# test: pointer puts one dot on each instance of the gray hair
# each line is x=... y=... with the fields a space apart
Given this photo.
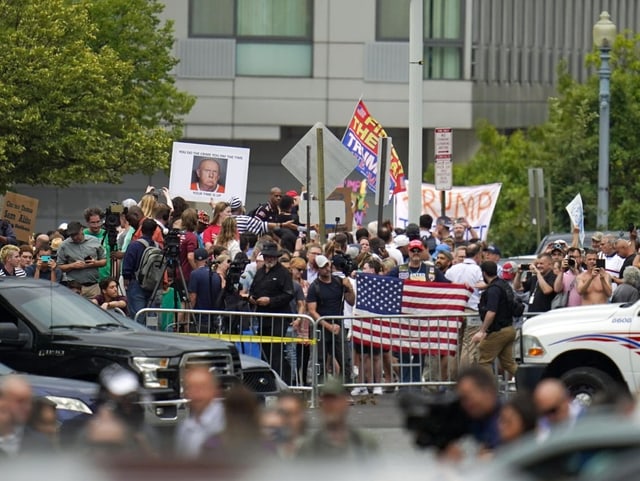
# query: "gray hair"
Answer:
x=631 y=275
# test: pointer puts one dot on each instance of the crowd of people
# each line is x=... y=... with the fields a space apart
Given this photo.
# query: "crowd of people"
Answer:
x=265 y=262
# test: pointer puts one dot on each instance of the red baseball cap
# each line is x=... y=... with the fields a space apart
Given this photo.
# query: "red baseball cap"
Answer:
x=416 y=244
x=292 y=193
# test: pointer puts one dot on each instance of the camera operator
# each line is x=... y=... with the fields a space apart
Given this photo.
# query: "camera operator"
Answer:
x=205 y=289
x=566 y=283
x=479 y=400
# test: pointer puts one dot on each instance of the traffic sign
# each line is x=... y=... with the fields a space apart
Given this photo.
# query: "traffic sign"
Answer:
x=443 y=142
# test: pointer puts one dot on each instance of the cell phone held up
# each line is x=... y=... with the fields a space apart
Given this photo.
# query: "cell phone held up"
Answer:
x=525 y=267
x=600 y=264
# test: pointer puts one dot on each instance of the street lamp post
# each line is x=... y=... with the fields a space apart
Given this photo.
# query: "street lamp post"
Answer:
x=604 y=33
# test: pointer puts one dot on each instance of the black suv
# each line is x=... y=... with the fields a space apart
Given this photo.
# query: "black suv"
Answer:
x=47 y=329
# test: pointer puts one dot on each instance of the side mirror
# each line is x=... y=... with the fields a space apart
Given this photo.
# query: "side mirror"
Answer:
x=9 y=335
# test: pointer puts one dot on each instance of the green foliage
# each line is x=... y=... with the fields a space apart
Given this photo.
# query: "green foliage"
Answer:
x=85 y=91
x=566 y=147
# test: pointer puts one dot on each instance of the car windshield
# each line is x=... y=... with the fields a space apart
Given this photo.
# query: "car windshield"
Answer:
x=56 y=307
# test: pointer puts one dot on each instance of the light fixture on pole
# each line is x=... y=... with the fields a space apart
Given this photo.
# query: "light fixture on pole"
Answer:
x=604 y=34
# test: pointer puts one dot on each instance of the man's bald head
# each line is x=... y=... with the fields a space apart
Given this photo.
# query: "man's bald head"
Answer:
x=17 y=393
x=552 y=400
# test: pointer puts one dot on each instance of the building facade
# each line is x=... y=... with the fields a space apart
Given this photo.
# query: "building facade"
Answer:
x=264 y=71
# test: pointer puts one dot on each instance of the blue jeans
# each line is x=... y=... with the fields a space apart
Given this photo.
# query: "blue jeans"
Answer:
x=137 y=299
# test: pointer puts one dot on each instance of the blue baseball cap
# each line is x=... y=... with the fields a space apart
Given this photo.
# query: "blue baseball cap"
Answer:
x=442 y=248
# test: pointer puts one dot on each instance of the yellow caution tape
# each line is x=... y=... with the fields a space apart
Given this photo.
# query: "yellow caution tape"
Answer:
x=252 y=338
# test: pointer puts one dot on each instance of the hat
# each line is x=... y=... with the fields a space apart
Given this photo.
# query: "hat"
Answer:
x=508 y=271
x=270 y=250
x=201 y=254
x=292 y=193
x=442 y=248
x=55 y=243
x=492 y=249
x=338 y=260
x=74 y=228
x=63 y=226
x=203 y=217
x=321 y=261
x=416 y=244
x=444 y=221
x=129 y=203
x=235 y=203
x=401 y=240
x=597 y=236
x=332 y=387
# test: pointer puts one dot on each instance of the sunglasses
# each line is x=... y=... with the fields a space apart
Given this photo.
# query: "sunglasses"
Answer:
x=416 y=250
x=552 y=411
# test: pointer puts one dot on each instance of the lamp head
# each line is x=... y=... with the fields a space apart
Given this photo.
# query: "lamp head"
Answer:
x=604 y=31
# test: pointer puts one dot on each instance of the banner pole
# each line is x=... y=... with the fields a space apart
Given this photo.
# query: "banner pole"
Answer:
x=308 y=149
x=321 y=192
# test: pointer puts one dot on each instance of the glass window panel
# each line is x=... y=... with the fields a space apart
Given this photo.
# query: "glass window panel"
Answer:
x=442 y=63
x=274 y=18
x=442 y=19
x=273 y=59
x=212 y=18
x=393 y=20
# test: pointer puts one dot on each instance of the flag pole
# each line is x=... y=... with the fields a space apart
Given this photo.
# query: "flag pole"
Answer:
x=416 y=55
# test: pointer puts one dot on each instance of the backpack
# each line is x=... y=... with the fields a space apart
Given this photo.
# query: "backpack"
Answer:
x=150 y=270
x=516 y=306
x=429 y=243
x=252 y=213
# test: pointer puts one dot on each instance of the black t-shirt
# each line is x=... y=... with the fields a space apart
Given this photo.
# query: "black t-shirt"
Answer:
x=329 y=297
x=628 y=261
x=538 y=301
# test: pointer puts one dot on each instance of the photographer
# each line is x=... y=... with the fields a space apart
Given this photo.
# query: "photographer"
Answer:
x=566 y=283
x=45 y=266
x=594 y=285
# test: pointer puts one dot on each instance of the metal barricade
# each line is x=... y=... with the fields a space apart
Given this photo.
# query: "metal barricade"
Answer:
x=268 y=336
x=397 y=351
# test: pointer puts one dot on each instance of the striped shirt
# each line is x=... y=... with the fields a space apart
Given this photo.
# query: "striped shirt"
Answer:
x=250 y=224
x=17 y=272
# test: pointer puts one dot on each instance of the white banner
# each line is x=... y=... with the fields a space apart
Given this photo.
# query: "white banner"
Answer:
x=475 y=203
x=576 y=214
x=200 y=173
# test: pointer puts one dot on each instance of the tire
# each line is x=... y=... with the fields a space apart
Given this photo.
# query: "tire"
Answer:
x=584 y=383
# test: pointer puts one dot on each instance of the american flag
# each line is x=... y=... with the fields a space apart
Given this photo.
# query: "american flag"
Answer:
x=380 y=296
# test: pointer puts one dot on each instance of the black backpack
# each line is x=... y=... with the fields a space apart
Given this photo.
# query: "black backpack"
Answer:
x=516 y=306
x=429 y=243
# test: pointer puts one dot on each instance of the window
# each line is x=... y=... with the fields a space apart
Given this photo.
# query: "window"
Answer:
x=273 y=37
x=443 y=33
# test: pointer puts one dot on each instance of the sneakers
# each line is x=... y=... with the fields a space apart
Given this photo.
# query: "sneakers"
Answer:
x=359 y=391
x=378 y=391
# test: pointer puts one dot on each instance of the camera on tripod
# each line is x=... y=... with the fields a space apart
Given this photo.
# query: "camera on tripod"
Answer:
x=172 y=245
x=112 y=222
x=236 y=269
x=112 y=215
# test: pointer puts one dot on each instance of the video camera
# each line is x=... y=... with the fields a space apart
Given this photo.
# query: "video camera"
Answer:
x=112 y=222
x=344 y=263
x=435 y=419
x=236 y=269
x=172 y=245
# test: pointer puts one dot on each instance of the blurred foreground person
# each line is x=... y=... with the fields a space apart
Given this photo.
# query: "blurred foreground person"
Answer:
x=42 y=427
x=118 y=426
x=336 y=438
x=479 y=399
x=241 y=434
x=517 y=418
x=206 y=412
x=554 y=406
x=15 y=408
x=291 y=407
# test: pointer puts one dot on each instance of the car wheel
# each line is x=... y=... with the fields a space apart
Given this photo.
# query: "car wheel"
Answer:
x=584 y=383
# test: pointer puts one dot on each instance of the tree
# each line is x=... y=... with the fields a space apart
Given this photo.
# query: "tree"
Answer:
x=85 y=91
x=566 y=147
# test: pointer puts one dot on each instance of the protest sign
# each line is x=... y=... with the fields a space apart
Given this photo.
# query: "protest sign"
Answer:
x=21 y=211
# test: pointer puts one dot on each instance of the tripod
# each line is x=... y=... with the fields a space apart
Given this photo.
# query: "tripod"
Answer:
x=170 y=261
